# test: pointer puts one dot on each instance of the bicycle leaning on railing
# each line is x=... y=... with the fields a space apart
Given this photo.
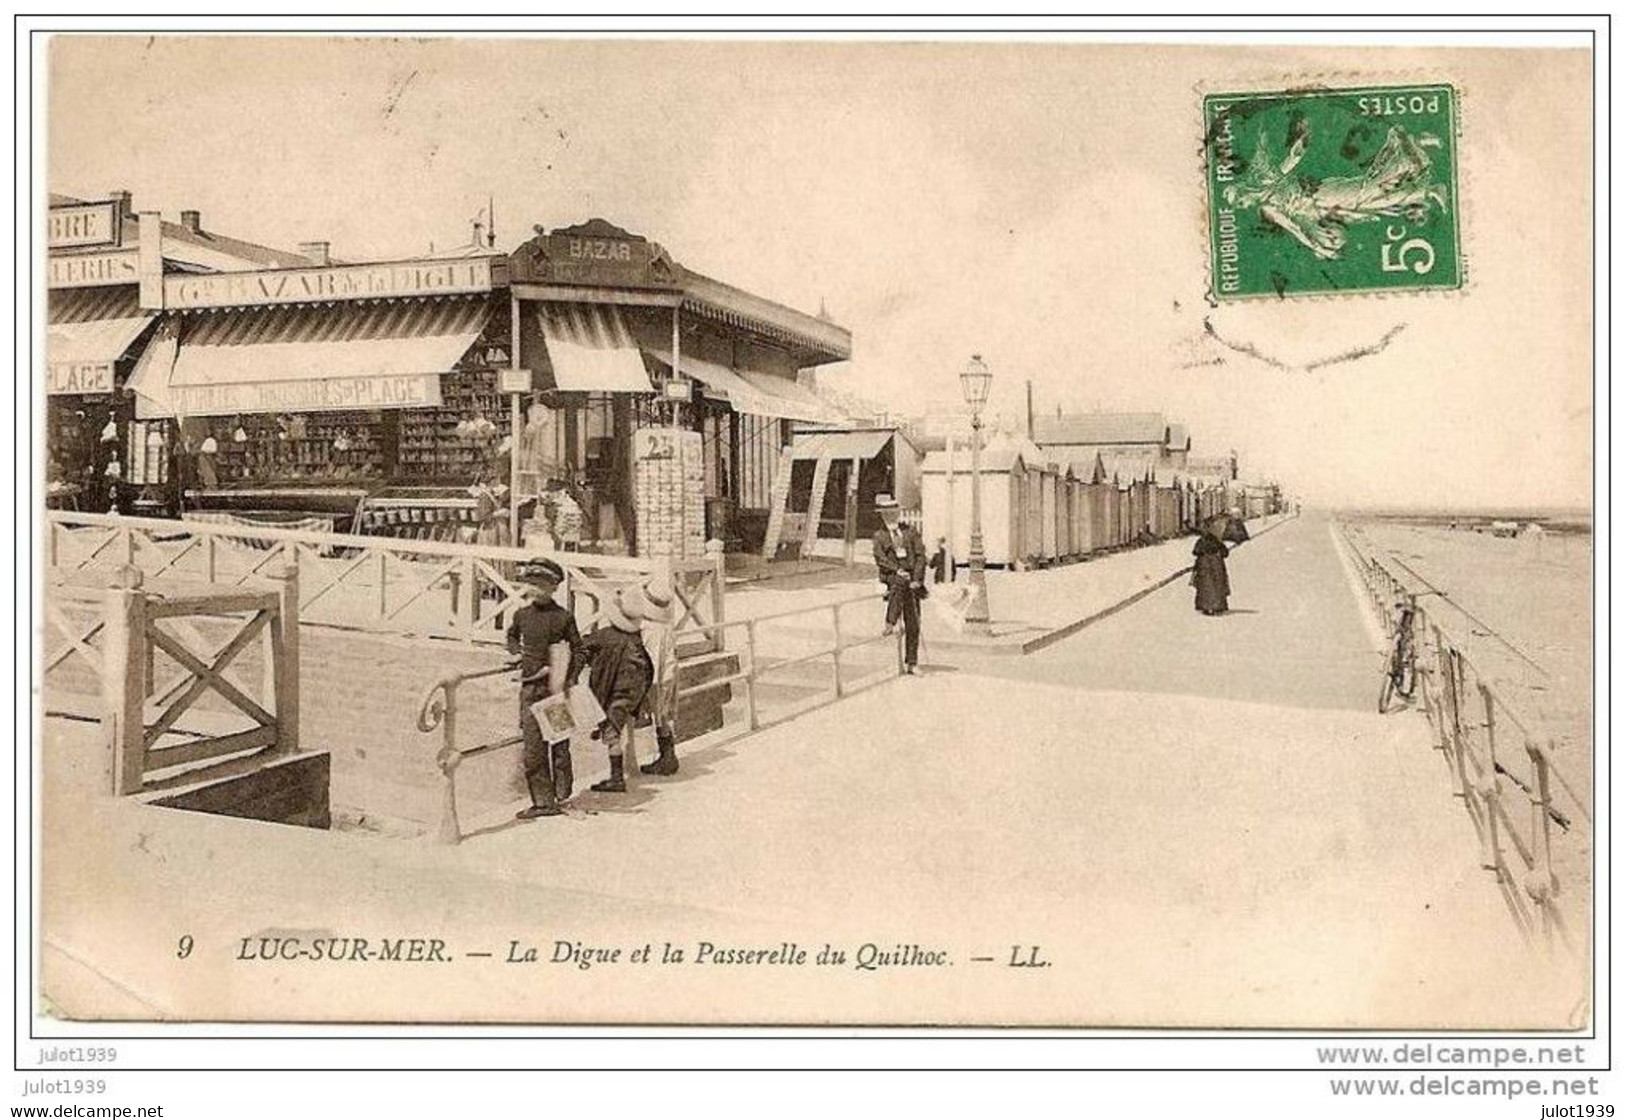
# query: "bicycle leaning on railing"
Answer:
x=1399 y=675
x=1507 y=770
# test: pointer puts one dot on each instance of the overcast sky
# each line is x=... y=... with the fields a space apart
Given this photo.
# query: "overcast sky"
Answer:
x=1041 y=205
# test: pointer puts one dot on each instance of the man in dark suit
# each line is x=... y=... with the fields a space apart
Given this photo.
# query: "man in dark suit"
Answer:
x=900 y=558
x=544 y=636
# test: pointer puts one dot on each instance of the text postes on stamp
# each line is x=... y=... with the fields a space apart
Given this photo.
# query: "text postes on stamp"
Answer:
x=1332 y=190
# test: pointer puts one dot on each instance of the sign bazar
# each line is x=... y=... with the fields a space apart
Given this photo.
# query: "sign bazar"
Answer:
x=310 y=285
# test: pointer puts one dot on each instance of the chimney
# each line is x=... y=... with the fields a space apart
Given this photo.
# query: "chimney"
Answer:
x=316 y=251
x=192 y=220
x=122 y=197
x=1030 y=410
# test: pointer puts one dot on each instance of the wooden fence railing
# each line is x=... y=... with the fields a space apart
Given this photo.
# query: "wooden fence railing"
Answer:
x=127 y=635
x=438 y=711
x=1481 y=736
x=381 y=584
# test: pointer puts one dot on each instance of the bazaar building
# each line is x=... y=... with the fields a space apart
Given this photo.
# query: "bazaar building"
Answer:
x=414 y=397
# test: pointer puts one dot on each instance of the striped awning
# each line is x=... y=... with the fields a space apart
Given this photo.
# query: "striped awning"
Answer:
x=306 y=359
x=789 y=399
x=591 y=350
x=839 y=445
x=83 y=305
x=88 y=331
x=722 y=382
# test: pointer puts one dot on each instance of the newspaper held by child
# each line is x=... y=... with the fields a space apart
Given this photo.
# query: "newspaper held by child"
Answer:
x=566 y=714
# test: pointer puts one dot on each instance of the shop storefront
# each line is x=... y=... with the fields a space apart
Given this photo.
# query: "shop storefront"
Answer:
x=351 y=397
x=96 y=459
x=104 y=270
x=431 y=397
x=620 y=338
x=95 y=326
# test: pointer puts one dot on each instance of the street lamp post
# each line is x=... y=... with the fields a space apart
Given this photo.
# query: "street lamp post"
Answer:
x=975 y=381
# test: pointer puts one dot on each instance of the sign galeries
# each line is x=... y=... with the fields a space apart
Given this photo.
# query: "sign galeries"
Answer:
x=89 y=270
x=312 y=285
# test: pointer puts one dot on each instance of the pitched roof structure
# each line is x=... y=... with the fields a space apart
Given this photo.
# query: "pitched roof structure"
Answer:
x=247 y=251
x=1126 y=468
x=1102 y=428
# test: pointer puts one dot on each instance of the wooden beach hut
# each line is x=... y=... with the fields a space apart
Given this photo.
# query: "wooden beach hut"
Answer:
x=1049 y=548
x=1007 y=488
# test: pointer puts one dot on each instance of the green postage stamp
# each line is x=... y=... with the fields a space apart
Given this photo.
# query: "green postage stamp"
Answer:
x=1332 y=190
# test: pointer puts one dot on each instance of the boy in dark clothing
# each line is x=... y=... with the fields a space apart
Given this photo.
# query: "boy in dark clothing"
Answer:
x=620 y=674
x=543 y=635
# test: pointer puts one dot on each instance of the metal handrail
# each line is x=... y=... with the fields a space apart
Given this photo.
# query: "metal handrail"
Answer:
x=1444 y=678
x=438 y=710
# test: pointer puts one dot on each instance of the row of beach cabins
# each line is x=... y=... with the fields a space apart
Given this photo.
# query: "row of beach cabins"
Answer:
x=1077 y=486
x=1038 y=510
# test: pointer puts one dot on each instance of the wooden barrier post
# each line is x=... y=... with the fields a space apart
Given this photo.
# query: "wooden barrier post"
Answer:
x=663 y=576
x=383 y=585
x=285 y=660
x=1489 y=790
x=835 y=617
x=663 y=579
x=1452 y=730
x=123 y=759
x=750 y=675
x=471 y=577
x=719 y=581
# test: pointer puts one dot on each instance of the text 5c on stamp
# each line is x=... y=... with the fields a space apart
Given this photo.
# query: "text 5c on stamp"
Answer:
x=1332 y=190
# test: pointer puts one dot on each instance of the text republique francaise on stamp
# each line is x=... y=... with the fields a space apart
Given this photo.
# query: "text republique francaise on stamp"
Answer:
x=1316 y=191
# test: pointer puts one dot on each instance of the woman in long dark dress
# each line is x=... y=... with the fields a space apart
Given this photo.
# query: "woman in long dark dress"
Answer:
x=1211 y=579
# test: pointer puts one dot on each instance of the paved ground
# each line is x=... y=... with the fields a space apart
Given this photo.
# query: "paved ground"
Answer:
x=1294 y=636
x=1196 y=822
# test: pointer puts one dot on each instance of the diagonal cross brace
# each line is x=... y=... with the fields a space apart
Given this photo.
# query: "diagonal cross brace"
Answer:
x=207 y=676
x=80 y=644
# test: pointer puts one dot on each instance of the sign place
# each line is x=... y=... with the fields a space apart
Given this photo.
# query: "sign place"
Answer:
x=78 y=377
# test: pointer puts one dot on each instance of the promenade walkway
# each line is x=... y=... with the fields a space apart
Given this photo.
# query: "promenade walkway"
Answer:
x=1192 y=821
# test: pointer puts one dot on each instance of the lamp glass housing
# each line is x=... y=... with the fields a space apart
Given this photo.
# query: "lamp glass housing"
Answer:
x=975 y=381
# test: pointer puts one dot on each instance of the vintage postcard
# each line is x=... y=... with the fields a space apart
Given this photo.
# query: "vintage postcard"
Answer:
x=808 y=533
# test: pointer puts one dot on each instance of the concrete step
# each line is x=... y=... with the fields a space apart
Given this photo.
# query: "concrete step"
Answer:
x=289 y=789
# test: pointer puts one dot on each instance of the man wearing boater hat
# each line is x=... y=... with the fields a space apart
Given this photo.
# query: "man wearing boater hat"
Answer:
x=900 y=559
x=544 y=637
